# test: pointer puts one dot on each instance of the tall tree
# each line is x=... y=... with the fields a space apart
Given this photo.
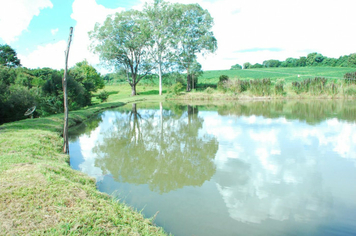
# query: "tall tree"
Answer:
x=161 y=21
x=8 y=56
x=124 y=40
x=192 y=35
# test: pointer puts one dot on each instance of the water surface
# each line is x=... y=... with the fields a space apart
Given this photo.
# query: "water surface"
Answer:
x=252 y=168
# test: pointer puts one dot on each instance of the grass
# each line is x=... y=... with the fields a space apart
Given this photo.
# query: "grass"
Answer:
x=41 y=194
x=289 y=74
x=281 y=85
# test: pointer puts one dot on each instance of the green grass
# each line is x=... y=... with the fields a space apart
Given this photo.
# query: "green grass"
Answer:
x=41 y=194
x=289 y=74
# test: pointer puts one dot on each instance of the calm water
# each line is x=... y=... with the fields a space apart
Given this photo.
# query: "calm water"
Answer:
x=253 y=168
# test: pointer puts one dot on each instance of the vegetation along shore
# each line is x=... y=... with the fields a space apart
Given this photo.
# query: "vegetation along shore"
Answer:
x=155 y=53
x=41 y=194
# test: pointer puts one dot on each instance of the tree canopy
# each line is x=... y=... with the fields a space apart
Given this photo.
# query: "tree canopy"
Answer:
x=8 y=56
x=124 y=40
x=193 y=35
x=162 y=34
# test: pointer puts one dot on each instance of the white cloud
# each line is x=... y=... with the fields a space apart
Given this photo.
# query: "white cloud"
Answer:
x=246 y=30
x=295 y=28
x=51 y=55
x=87 y=13
x=16 y=15
x=54 y=31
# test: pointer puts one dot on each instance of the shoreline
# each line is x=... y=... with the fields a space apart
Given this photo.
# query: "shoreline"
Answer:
x=41 y=194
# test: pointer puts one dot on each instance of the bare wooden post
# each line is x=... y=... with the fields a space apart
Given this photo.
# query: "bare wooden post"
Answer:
x=65 y=95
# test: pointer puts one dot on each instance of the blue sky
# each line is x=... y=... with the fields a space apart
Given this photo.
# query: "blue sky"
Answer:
x=246 y=30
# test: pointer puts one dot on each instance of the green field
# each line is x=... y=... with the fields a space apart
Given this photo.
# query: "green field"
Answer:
x=289 y=74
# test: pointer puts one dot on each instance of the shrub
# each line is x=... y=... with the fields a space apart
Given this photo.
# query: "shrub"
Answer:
x=350 y=78
x=260 y=87
x=221 y=84
x=313 y=86
x=332 y=88
x=103 y=96
x=176 y=88
x=209 y=90
x=223 y=78
x=278 y=87
x=350 y=91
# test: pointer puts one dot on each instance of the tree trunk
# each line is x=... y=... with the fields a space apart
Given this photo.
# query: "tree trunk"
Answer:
x=160 y=77
x=133 y=90
x=189 y=82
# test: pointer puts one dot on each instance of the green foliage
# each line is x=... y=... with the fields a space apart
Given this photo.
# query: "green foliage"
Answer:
x=257 y=65
x=302 y=61
x=271 y=63
x=209 y=90
x=124 y=40
x=223 y=78
x=222 y=81
x=21 y=88
x=260 y=87
x=192 y=36
x=15 y=100
x=314 y=86
x=103 y=96
x=176 y=88
x=247 y=65
x=8 y=56
x=312 y=59
x=236 y=67
x=234 y=86
x=87 y=75
x=279 y=87
x=351 y=62
x=350 y=78
x=350 y=91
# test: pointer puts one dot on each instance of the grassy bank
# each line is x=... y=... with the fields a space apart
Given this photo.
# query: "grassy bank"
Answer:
x=41 y=194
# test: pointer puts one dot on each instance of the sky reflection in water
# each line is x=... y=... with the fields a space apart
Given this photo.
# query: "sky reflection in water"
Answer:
x=227 y=173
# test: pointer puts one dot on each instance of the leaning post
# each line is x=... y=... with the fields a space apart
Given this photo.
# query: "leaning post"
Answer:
x=65 y=95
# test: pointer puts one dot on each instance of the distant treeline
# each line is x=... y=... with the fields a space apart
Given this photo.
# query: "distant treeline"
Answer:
x=312 y=59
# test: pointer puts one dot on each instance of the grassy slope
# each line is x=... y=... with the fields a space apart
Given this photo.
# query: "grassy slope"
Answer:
x=289 y=74
x=41 y=194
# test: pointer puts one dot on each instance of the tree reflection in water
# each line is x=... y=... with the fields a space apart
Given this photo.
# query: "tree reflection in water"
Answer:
x=165 y=151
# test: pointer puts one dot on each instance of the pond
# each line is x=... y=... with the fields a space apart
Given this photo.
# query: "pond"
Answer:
x=242 y=168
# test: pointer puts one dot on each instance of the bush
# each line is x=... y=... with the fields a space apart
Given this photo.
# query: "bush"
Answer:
x=176 y=88
x=350 y=78
x=332 y=88
x=314 y=86
x=279 y=87
x=209 y=90
x=260 y=87
x=350 y=91
x=222 y=79
x=103 y=96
